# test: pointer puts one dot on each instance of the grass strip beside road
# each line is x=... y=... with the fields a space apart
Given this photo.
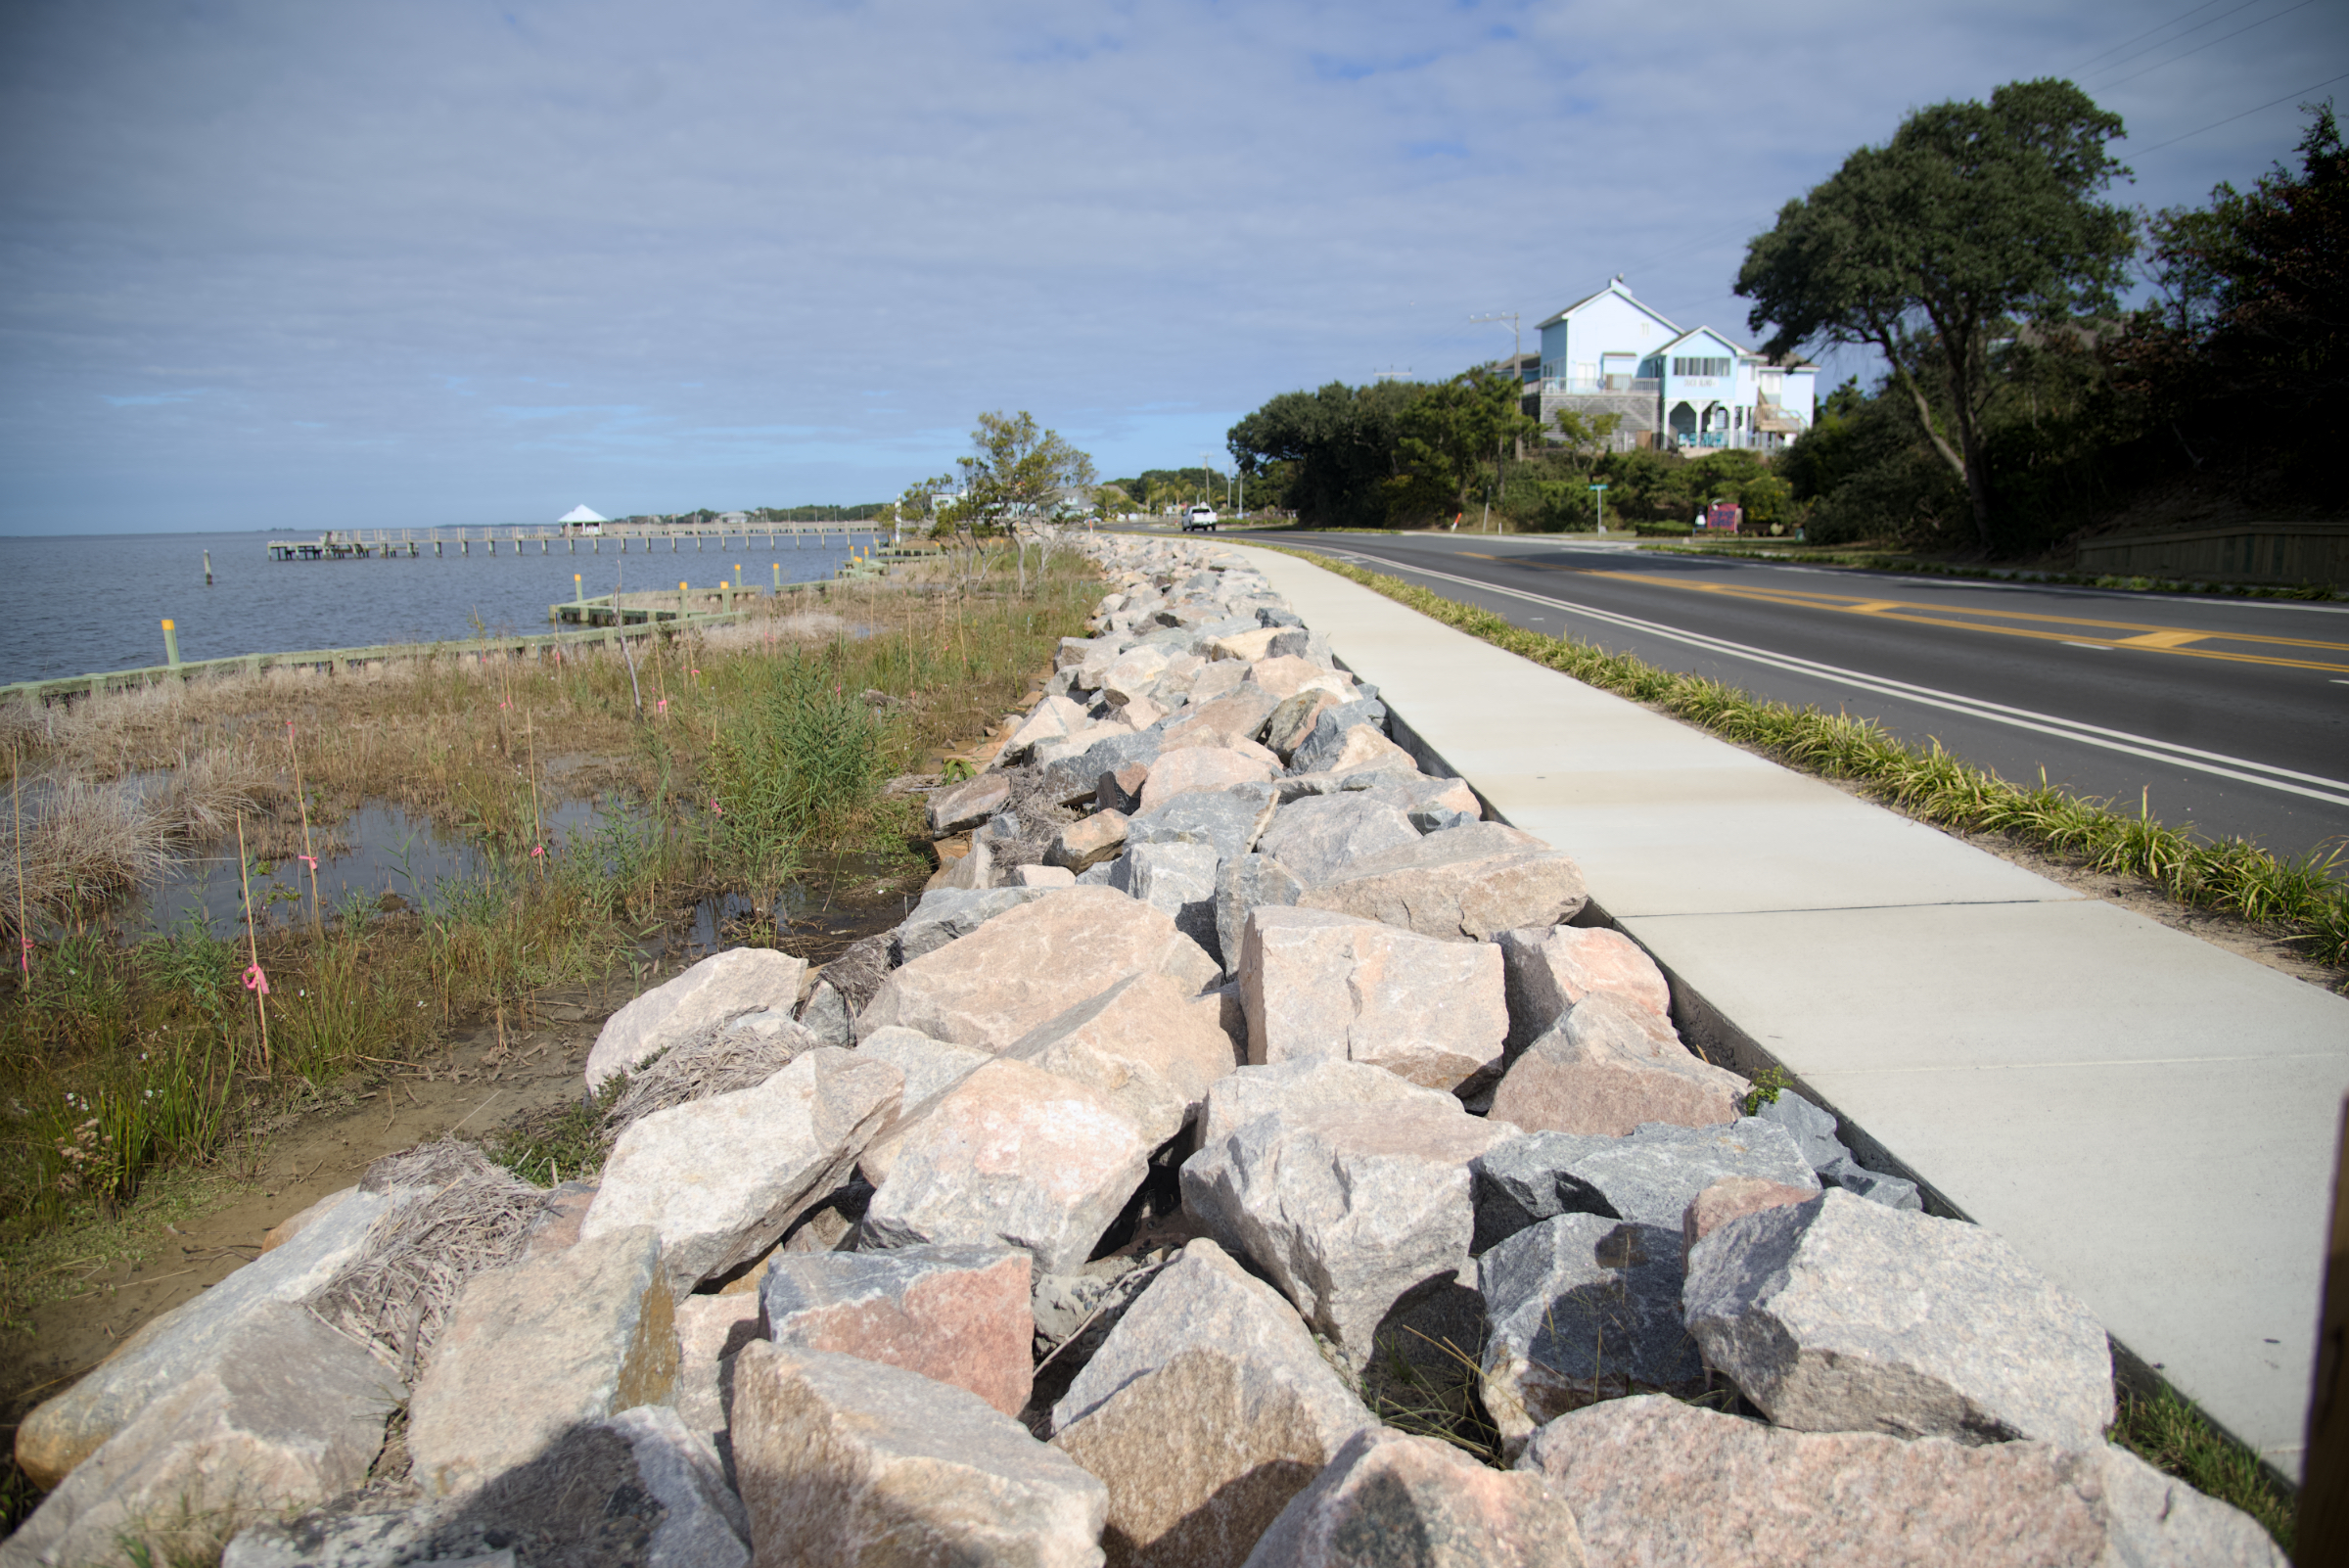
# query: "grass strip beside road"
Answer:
x=2302 y=899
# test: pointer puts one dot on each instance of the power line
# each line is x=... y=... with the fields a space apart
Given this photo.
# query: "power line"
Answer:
x=2231 y=118
x=2164 y=27
x=2199 y=48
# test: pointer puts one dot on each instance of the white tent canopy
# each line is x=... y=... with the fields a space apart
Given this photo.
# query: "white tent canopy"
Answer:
x=580 y=514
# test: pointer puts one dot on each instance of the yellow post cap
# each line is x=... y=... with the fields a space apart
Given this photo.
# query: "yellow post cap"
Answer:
x=169 y=627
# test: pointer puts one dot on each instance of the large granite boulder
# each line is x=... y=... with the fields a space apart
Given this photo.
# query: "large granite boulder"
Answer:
x=1322 y=835
x=1320 y=984
x=851 y=1463
x=1144 y=1044
x=1193 y=768
x=1651 y=1176
x=724 y=986
x=956 y=1312
x=1551 y=968
x=1467 y=882
x=948 y=913
x=176 y=1348
x=931 y=1066
x=1580 y=1308
x=719 y=1180
x=1308 y=1083
x=1033 y=963
x=1393 y=1500
x=968 y=803
x=1244 y=882
x=1011 y=1154
x=1230 y=819
x=1179 y=880
x=289 y=1415
x=1844 y=1315
x=1653 y=1479
x=1349 y=1212
x=1607 y=1069
x=1734 y=1198
x=539 y=1348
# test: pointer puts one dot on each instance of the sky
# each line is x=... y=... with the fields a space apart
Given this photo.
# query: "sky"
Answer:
x=292 y=265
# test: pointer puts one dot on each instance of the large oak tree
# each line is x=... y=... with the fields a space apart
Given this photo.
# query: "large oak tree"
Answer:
x=1972 y=219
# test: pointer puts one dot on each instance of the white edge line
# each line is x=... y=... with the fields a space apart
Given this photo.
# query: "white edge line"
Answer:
x=2111 y=740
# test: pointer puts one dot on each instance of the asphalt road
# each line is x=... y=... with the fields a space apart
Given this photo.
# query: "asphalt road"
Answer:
x=2231 y=715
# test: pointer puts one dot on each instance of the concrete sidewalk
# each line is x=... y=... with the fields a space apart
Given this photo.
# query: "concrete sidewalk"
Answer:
x=2148 y=1118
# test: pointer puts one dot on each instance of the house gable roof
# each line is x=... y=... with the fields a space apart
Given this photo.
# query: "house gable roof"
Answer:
x=1615 y=286
x=1695 y=333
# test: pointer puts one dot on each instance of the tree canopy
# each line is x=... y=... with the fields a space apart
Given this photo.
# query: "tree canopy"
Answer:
x=1015 y=468
x=1933 y=247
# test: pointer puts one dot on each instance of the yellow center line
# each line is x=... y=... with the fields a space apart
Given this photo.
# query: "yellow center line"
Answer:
x=2143 y=635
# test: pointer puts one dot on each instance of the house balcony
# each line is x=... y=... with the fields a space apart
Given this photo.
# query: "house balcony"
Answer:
x=1557 y=386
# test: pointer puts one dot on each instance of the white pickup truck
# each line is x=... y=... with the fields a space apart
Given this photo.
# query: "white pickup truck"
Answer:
x=1200 y=519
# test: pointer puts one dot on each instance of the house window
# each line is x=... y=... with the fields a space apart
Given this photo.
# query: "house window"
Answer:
x=1693 y=365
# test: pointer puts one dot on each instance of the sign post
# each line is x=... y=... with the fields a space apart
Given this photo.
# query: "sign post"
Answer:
x=1598 y=495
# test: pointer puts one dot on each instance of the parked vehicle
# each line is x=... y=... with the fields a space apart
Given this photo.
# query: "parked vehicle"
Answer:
x=1200 y=519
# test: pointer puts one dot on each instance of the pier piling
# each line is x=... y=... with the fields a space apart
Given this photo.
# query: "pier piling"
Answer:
x=171 y=643
x=207 y=568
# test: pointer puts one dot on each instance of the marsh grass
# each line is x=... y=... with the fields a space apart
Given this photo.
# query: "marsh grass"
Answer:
x=760 y=748
x=2302 y=898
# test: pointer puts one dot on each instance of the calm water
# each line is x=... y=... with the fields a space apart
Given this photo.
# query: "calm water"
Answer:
x=78 y=605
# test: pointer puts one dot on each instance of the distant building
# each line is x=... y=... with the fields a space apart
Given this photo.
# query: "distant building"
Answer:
x=731 y=519
x=1608 y=354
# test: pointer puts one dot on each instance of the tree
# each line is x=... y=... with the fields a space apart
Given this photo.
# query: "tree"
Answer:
x=1016 y=469
x=1337 y=448
x=1930 y=247
x=1449 y=434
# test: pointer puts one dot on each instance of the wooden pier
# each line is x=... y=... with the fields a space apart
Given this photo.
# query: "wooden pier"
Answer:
x=387 y=544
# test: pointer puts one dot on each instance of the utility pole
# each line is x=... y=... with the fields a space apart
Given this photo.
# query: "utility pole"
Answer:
x=1516 y=337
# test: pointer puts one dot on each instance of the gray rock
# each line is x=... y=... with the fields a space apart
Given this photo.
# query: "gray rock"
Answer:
x=289 y=1415
x=1318 y=837
x=959 y=1313
x=1845 y=1315
x=1279 y=616
x=1894 y=1192
x=703 y=1523
x=1652 y=1480
x=185 y=1344
x=1391 y=1500
x=968 y=803
x=1813 y=1130
x=1328 y=735
x=1071 y=778
x=1291 y=724
x=1303 y=1084
x=1465 y=883
x=845 y=986
x=1249 y=882
x=974 y=870
x=1582 y=1309
x=1649 y=1177
x=931 y=1066
x=1085 y=1305
x=738 y=981
x=720 y=1179
x=1229 y=819
x=946 y=913
x=1098 y=875
x=537 y=1349
x=1350 y=1213
x=852 y=1463
x=1203 y=1300
x=1177 y=879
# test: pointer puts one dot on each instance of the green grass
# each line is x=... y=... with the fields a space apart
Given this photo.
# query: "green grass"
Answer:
x=2171 y=1435
x=2302 y=899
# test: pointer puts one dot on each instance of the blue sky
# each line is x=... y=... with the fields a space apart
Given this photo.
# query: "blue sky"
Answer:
x=277 y=265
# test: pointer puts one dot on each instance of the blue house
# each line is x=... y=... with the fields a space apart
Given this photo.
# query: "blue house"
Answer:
x=1609 y=353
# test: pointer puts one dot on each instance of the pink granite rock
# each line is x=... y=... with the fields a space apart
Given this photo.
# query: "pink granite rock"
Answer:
x=1149 y=1048
x=1605 y=1069
x=1551 y=968
x=1391 y=1500
x=1033 y=963
x=1199 y=768
x=1467 y=882
x=959 y=1312
x=1734 y=1199
x=1651 y=1480
x=1319 y=983
x=1011 y=1154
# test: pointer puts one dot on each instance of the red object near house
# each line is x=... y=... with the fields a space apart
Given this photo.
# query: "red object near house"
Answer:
x=1724 y=516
